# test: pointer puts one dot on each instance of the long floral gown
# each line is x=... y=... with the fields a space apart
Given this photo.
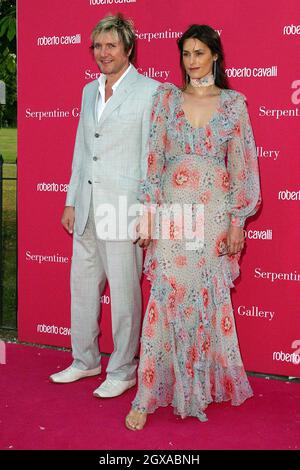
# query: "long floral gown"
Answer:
x=189 y=348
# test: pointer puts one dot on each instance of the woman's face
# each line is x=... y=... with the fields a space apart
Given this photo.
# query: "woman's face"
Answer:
x=197 y=58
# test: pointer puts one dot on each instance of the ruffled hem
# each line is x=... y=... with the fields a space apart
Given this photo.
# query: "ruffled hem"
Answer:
x=234 y=389
x=200 y=414
x=223 y=277
x=226 y=272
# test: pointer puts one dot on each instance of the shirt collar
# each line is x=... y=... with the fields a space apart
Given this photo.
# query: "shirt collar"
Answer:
x=102 y=81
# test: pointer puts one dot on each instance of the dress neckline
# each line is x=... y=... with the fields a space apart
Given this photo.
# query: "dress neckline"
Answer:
x=213 y=116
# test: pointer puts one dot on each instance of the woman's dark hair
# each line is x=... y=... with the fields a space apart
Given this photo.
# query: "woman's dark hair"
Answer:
x=211 y=38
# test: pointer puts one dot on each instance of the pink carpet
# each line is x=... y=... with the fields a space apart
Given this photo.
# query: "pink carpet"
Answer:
x=37 y=414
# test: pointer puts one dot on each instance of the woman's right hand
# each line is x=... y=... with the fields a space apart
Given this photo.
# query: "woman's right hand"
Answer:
x=144 y=242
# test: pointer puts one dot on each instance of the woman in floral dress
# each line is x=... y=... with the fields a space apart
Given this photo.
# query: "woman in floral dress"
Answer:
x=202 y=154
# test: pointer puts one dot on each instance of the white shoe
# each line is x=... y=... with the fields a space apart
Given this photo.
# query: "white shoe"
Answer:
x=71 y=374
x=112 y=388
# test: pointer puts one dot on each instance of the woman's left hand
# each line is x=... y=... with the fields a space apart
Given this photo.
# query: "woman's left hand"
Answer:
x=235 y=240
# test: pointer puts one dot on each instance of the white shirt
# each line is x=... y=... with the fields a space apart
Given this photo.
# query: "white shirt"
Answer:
x=101 y=97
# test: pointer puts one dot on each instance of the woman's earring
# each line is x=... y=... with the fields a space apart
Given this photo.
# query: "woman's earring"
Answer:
x=215 y=69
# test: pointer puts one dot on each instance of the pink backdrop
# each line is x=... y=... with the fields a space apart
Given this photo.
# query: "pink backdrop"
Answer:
x=262 y=59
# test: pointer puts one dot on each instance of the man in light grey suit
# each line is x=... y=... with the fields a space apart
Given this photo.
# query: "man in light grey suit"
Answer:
x=110 y=158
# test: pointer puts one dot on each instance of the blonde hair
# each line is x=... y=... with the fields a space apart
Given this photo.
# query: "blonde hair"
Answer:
x=122 y=27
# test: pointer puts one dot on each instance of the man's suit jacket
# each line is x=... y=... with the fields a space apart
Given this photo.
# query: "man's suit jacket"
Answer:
x=110 y=156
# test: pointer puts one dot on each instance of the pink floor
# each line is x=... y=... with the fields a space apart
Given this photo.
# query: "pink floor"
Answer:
x=37 y=414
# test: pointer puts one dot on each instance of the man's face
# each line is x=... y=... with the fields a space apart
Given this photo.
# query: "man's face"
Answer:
x=109 y=53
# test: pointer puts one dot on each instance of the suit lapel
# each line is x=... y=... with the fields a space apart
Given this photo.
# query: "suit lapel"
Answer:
x=119 y=96
x=91 y=102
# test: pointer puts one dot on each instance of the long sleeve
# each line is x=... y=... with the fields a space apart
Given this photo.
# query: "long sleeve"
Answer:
x=77 y=161
x=242 y=166
x=145 y=134
x=151 y=187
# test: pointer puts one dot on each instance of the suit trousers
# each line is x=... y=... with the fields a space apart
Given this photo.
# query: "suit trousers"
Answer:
x=94 y=262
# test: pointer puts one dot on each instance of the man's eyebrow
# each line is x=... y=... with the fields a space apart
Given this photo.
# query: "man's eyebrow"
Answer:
x=107 y=43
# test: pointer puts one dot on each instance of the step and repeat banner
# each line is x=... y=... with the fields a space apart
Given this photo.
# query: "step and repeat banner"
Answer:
x=262 y=61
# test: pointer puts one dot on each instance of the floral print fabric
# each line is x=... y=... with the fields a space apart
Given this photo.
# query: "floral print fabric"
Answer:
x=189 y=348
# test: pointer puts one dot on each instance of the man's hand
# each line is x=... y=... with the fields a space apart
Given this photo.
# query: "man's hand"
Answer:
x=68 y=219
x=235 y=240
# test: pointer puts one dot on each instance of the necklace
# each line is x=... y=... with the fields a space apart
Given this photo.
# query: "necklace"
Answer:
x=208 y=80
